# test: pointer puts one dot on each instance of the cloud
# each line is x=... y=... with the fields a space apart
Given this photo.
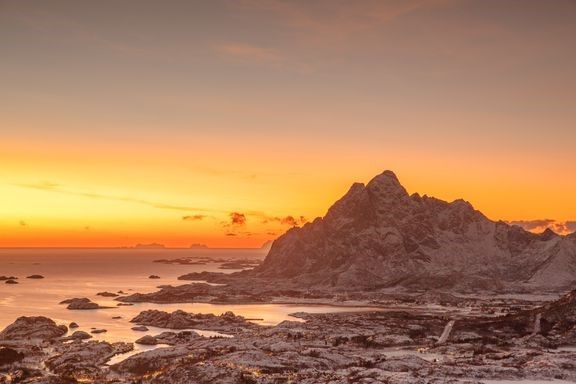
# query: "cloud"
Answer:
x=57 y=188
x=286 y=220
x=540 y=225
x=255 y=54
x=42 y=185
x=571 y=226
x=291 y=221
x=193 y=217
x=326 y=21
x=237 y=219
x=531 y=225
x=249 y=52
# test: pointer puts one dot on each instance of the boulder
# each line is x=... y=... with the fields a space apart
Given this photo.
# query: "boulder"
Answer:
x=35 y=277
x=107 y=294
x=80 y=304
x=34 y=327
x=147 y=340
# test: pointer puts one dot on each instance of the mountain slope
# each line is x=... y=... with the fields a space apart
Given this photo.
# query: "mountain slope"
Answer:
x=379 y=236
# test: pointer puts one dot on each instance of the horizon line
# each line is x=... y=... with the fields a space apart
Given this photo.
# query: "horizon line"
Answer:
x=134 y=248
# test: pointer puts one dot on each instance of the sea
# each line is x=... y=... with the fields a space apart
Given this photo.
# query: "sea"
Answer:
x=78 y=273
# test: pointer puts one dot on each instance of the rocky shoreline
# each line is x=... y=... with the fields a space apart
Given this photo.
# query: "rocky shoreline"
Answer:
x=365 y=347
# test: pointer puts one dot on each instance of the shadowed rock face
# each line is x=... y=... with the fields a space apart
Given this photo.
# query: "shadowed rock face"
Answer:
x=378 y=236
x=558 y=318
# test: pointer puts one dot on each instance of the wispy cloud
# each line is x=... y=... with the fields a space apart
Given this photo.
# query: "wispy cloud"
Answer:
x=193 y=217
x=249 y=52
x=334 y=20
x=57 y=188
x=237 y=218
x=540 y=225
x=286 y=220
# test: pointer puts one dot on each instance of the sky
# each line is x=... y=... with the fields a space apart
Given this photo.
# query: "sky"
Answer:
x=226 y=122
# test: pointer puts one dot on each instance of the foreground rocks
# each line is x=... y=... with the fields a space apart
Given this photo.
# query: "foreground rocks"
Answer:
x=227 y=322
x=107 y=294
x=339 y=348
x=81 y=304
x=33 y=328
x=84 y=359
x=9 y=356
x=375 y=347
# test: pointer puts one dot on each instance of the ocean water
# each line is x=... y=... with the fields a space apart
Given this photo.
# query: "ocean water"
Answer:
x=71 y=273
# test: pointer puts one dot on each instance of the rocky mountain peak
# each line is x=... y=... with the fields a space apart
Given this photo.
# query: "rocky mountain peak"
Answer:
x=387 y=187
x=387 y=180
x=376 y=235
x=548 y=234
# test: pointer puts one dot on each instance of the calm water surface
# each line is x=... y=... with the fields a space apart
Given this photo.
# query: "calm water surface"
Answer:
x=85 y=272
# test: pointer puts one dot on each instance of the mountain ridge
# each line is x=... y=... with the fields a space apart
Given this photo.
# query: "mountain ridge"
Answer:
x=378 y=236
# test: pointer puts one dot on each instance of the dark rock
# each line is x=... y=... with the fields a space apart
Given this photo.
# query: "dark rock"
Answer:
x=147 y=340
x=79 y=335
x=9 y=356
x=80 y=304
x=38 y=327
x=227 y=322
x=83 y=360
x=11 y=282
x=177 y=338
x=35 y=277
x=151 y=361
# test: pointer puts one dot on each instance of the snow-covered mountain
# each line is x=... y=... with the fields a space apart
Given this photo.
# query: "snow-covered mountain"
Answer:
x=379 y=236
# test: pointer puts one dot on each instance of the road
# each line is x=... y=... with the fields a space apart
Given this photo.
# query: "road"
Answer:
x=537 y=321
x=446 y=332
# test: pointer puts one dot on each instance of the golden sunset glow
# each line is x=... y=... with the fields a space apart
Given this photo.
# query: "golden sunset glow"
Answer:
x=112 y=137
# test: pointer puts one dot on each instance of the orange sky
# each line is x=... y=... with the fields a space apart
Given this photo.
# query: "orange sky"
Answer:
x=117 y=124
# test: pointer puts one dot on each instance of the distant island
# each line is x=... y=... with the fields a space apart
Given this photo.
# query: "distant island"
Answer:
x=199 y=246
x=150 y=246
